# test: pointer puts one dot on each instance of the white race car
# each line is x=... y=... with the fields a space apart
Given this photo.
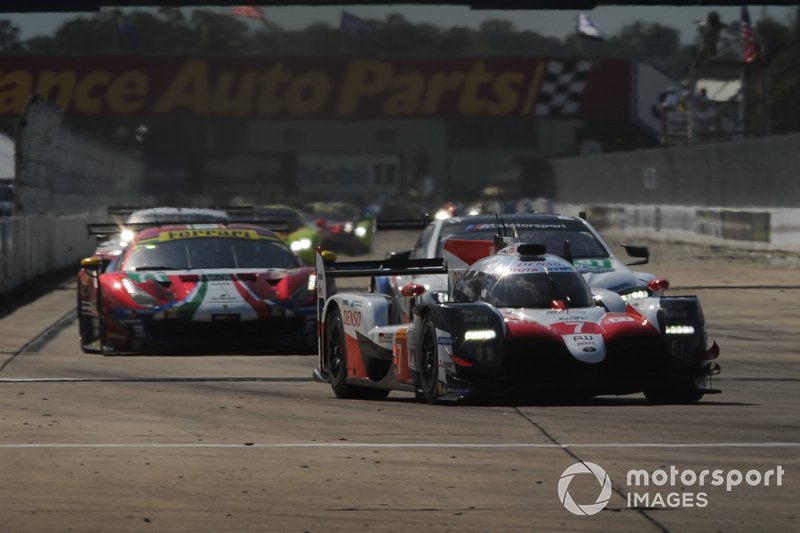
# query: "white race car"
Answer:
x=589 y=252
x=519 y=321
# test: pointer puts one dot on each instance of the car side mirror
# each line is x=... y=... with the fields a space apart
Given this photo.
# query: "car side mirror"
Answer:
x=411 y=290
x=405 y=254
x=92 y=263
x=637 y=251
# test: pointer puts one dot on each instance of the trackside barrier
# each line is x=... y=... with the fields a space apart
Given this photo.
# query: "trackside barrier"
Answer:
x=63 y=180
x=754 y=229
x=758 y=174
x=35 y=245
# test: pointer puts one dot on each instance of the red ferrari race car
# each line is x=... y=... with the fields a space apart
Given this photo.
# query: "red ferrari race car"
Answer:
x=519 y=321
x=188 y=285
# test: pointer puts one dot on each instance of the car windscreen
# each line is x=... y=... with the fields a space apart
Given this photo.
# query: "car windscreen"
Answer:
x=210 y=252
x=528 y=290
x=583 y=243
x=294 y=219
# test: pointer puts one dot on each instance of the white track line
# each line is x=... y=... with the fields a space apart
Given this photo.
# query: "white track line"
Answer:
x=404 y=445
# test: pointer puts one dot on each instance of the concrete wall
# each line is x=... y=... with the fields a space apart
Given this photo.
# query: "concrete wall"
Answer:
x=750 y=229
x=761 y=173
x=34 y=245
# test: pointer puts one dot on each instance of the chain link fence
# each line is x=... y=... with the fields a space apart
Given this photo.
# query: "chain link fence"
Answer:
x=60 y=171
x=63 y=180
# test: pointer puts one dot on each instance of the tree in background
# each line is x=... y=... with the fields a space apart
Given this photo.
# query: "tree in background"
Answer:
x=208 y=31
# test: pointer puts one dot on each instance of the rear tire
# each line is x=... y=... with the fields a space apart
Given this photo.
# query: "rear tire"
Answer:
x=335 y=350
x=428 y=369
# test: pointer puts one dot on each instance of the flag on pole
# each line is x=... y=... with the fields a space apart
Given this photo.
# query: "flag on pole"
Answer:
x=353 y=26
x=587 y=27
x=252 y=12
x=749 y=50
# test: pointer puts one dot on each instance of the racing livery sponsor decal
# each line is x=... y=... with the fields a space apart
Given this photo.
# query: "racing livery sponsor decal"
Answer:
x=351 y=318
x=528 y=267
x=594 y=265
x=585 y=347
x=209 y=232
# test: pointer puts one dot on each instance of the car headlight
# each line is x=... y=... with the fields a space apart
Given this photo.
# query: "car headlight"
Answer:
x=126 y=236
x=360 y=231
x=301 y=244
x=479 y=335
x=306 y=293
x=138 y=295
x=679 y=330
x=636 y=293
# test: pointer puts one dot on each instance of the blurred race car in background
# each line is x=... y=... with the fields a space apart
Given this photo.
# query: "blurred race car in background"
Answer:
x=115 y=237
x=589 y=252
x=345 y=228
x=521 y=321
x=302 y=234
x=189 y=285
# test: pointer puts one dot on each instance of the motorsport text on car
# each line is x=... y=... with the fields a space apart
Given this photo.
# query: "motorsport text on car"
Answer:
x=520 y=321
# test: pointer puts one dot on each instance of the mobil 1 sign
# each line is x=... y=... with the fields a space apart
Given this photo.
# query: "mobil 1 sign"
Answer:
x=361 y=174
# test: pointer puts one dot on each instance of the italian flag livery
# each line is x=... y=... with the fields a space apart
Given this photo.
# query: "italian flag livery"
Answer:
x=182 y=285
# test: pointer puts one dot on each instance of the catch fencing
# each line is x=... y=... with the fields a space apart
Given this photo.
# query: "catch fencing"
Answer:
x=63 y=180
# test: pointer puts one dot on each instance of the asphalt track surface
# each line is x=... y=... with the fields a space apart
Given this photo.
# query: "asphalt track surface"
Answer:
x=250 y=443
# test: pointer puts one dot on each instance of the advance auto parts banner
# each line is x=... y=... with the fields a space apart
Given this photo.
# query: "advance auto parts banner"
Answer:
x=324 y=89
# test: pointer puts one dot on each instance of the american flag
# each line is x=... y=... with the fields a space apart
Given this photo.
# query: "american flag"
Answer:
x=588 y=28
x=749 y=51
x=253 y=12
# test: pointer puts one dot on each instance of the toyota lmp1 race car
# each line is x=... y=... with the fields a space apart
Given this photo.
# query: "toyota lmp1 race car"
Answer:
x=186 y=285
x=519 y=322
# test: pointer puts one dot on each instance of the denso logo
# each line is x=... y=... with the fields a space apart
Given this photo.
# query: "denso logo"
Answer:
x=351 y=318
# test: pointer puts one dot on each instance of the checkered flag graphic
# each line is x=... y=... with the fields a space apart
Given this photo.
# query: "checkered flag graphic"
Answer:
x=562 y=88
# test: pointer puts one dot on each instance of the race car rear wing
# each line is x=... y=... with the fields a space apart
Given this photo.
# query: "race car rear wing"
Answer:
x=105 y=229
x=378 y=267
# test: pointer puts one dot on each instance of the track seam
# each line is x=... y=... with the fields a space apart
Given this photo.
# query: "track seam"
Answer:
x=569 y=452
x=46 y=335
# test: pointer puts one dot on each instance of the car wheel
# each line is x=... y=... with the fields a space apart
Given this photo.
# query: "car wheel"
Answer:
x=428 y=366
x=89 y=331
x=336 y=355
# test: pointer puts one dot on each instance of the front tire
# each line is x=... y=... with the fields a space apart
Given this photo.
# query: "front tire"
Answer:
x=428 y=368
x=336 y=356
x=89 y=329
